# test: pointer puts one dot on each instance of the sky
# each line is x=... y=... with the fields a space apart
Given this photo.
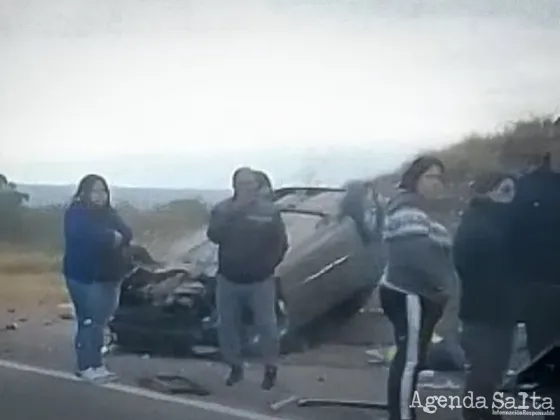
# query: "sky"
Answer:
x=177 y=93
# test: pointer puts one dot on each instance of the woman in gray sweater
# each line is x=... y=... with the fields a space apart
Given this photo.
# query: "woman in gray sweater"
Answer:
x=418 y=278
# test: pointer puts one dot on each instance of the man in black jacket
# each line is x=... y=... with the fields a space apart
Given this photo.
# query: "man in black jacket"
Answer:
x=536 y=254
x=487 y=307
x=252 y=242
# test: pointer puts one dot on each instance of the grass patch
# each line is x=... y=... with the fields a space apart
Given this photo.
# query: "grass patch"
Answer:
x=25 y=290
x=28 y=262
x=30 y=278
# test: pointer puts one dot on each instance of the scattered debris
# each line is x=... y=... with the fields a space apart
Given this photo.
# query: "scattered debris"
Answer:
x=173 y=384
x=66 y=311
x=205 y=351
x=382 y=355
x=11 y=310
x=47 y=323
x=318 y=402
x=12 y=326
x=430 y=379
x=444 y=354
x=278 y=405
x=426 y=374
x=23 y=319
x=447 y=384
x=145 y=356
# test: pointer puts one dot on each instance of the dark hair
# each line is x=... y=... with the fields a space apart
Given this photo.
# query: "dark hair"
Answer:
x=236 y=173
x=85 y=187
x=486 y=182
x=239 y=171
x=418 y=167
x=263 y=180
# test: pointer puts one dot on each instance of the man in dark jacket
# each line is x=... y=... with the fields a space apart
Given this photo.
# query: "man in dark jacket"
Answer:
x=252 y=241
x=487 y=307
x=536 y=258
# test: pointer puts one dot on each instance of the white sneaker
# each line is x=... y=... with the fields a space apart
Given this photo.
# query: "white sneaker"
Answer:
x=90 y=374
x=105 y=374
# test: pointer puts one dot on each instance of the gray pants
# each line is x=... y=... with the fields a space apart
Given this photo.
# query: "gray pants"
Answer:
x=488 y=351
x=231 y=300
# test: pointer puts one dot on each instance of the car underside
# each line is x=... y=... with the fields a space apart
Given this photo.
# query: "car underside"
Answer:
x=169 y=307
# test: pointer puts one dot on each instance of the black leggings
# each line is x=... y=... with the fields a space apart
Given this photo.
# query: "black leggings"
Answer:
x=414 y=319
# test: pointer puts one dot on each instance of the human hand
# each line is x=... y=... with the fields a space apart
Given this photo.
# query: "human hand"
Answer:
x=118 y=238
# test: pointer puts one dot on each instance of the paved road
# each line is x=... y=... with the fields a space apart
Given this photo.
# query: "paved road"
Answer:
x=28 y=393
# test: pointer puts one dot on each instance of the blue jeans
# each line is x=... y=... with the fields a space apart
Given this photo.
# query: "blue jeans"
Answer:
x=94 y=305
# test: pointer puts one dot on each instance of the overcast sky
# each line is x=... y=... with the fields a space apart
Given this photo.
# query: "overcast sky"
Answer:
x=206 y=85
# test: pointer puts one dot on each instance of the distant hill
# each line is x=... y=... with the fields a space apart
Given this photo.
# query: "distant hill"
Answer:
x=142 y=198
x=516 y=148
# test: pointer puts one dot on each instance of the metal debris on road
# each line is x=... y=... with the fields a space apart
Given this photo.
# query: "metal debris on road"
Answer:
x=447 y=384
x=382 y=355
x=173 y=384
x=318 y=402
x=278 y=405
x=12 y=326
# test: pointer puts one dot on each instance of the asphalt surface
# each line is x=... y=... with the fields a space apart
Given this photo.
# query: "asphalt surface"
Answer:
x=28 y=393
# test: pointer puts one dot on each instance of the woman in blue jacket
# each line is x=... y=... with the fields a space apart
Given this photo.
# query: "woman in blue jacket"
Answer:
x=96 y=239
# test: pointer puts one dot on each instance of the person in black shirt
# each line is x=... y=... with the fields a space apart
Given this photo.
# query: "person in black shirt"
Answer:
x=487 y=305
x=252 y=241
x=536 y=247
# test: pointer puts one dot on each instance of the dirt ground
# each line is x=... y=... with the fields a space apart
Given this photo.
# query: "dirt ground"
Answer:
x=32 y=332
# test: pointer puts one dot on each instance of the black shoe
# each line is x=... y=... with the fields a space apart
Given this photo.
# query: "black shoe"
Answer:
x=235 y=375
x=269 y=379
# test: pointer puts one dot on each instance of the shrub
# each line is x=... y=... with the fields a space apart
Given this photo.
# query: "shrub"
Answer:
x=41 y=227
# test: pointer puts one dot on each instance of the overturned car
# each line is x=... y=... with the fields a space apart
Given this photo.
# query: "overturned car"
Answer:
x=335 y=259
